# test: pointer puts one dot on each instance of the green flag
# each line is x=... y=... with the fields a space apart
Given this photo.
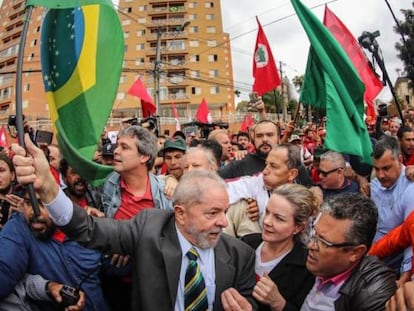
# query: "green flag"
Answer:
x=81 y=54
x=331 y=82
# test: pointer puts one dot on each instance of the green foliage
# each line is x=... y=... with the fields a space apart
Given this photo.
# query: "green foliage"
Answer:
x=406 y=49
x=272 y=100
x=242 y=106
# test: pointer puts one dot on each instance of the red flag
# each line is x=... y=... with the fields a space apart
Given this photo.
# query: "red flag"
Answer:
x=266 y=76
x=3 y=137
x=175 y=114
x=147 y=104
x=373 y=85
x=247 y=122
x=203 y=114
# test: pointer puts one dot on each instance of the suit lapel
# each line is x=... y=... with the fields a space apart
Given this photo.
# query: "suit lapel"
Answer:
x=171 y=252
x=224 y=272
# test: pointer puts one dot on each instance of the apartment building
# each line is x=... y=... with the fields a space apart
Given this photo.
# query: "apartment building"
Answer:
x=178 y=45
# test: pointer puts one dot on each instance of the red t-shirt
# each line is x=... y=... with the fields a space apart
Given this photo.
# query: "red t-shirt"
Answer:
x=131 y=205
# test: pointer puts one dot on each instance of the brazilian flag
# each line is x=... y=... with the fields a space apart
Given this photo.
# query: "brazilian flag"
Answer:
x=82 y=49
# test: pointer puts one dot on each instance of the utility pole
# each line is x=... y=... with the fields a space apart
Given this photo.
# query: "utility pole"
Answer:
x=282 y=92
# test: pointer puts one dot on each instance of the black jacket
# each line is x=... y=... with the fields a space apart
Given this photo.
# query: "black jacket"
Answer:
x=368 y=288
x=292 y=278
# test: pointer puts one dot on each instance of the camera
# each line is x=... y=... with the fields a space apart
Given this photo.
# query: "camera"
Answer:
x=382 y=110
x=70 y=296
x=12 y=120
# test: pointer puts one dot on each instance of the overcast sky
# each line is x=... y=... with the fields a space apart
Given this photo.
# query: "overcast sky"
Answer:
x=288 y=39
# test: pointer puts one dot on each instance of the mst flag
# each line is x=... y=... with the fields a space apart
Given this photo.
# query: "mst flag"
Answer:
x=332 y=82
x=3 y=137
x=139 y=90
x=266 y=76
x=373 y=85
x=81 y=55
x=203 y=114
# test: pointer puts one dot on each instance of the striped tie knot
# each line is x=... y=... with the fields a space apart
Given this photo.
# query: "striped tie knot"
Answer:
x=192 y=254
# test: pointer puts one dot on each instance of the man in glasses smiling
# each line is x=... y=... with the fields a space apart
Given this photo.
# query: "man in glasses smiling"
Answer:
x=331 y=174
x=346 y=279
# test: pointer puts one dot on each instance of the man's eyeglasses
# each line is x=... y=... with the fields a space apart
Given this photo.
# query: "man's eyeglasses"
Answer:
x=326 y=173
x=317 y=240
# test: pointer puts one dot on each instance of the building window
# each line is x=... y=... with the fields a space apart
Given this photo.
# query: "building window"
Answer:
x=194 y=44
x=193 y=29
x=141 y=33
x=211 y=43
x=34 y=42
x=213 y=73
x=192 y=17
x=141 y=20
x=192 y=5
x=210 y=17
x=139 y=62
x=195 y=91
x=214 y=89
x=140 y=47
x=195 y=73
x=142 y=8
x=126 y=22
x=194 y=58
x=126 y=34
x=212 y=58
x=209 y=5
x=120 y=95
x=211 y=29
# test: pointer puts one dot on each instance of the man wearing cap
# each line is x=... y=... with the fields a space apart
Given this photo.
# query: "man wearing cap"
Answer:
x=174 y=150
x=306 y=157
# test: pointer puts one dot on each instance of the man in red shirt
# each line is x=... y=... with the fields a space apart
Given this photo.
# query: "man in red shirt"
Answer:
x=406 y=138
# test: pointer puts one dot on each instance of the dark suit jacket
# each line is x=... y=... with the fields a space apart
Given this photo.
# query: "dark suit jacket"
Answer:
x=292 y=278
x=151 y=239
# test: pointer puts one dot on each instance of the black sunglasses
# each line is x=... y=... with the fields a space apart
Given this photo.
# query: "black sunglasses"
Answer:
x=324 y=174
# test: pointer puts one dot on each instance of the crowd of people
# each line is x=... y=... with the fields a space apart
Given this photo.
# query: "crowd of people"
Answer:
x=260 y=220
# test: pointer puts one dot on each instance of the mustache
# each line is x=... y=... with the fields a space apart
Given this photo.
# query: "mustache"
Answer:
x=80 y=182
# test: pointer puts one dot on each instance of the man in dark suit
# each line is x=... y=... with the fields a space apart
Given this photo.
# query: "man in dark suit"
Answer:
x=159 y=240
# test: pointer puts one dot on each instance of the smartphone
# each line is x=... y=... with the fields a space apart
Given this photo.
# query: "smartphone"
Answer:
x=253 y=97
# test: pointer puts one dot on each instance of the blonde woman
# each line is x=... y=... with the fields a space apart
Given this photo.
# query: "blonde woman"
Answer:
x=283 y=280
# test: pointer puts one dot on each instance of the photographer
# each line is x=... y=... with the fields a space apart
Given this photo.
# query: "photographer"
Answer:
x=381 y=118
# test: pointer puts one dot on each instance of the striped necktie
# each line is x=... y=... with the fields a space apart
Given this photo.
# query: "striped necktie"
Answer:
x=195 y=293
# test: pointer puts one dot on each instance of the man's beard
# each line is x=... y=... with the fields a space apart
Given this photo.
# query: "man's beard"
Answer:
x=44 y=235
x=76 y=193
x=202 y=238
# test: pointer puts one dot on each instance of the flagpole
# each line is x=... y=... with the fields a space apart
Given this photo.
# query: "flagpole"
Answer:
x=19 y=108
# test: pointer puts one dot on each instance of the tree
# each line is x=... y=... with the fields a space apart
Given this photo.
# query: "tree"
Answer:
x=406 y=49
x=273 y=100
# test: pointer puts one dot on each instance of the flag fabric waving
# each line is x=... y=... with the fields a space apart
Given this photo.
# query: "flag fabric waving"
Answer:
x=373 y=85
x=266 y=76
x=203 y=114
x=332 y=82
x=139 y=90
x=247 y=122
x=175 y=114
x=3 y=137
x=81 y=55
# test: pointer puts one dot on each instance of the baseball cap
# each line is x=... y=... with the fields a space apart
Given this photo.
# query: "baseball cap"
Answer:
x=175 y=143
x=294 y=137
x=108 y=149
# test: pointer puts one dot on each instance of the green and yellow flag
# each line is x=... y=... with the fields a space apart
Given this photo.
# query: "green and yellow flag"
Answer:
x=82 y=50
x=332 y=82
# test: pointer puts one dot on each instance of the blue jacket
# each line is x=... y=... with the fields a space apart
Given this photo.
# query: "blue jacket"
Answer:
x=111 y=194
x=67 y=263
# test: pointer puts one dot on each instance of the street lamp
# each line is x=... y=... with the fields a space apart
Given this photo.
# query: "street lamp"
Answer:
x=157 y=64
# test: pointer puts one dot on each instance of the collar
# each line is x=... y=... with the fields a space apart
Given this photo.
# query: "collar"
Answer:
x=336 y=279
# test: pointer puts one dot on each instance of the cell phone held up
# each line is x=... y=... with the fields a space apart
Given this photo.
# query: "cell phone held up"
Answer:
x=251 y=106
